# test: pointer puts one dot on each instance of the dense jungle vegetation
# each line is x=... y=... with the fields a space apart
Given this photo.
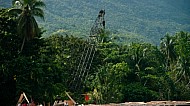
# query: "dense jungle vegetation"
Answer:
x=43 y=67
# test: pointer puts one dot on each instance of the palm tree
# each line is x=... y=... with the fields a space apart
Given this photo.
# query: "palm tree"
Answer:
x=183 y=64
x=27 y=26
x=167 y=48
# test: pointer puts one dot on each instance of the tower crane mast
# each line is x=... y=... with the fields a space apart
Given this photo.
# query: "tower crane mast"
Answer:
x=88 y=54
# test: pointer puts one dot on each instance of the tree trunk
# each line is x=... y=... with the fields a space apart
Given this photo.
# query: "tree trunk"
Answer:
x=23 y=44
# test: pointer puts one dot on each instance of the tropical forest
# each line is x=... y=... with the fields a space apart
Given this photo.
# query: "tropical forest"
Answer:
x=114 y=51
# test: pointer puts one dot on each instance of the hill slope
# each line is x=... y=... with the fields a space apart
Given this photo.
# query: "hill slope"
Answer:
x=149 y=19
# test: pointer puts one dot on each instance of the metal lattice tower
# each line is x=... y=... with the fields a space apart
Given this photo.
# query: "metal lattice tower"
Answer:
x=88 y=53
x=99 y=25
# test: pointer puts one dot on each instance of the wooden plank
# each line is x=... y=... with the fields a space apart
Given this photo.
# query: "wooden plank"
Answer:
x=20 y=99
x=70 y=98
x=25 y=97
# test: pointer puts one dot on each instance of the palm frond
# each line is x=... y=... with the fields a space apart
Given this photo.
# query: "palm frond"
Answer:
x=38 y=12
x=14 y=11
x=39 y=4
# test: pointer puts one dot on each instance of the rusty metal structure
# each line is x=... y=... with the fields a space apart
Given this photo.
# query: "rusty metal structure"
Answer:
x=88 y=54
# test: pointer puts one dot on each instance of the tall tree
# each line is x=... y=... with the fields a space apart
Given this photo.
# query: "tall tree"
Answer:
x=182 y=49
x=26 y=10
x=167 y=48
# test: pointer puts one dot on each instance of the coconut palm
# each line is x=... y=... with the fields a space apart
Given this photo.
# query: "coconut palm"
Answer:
x=183 y=64
x=167 y=48
x=26 y=10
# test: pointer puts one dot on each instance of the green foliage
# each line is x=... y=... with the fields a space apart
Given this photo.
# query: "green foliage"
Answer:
x=8 y=51
x=178 y=67
x=119 y=73
x=143 y=65
x=135 y=92
x=109 y=83
x=182 y=48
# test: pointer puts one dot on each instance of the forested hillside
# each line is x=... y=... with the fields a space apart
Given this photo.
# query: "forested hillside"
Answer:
x=148 y=20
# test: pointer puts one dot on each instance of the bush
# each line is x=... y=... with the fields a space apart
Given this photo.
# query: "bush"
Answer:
x=135 y=92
